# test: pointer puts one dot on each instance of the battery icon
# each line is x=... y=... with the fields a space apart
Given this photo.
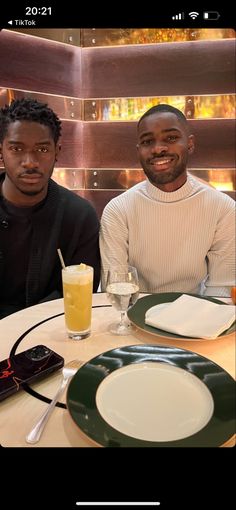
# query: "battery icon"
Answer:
x=212 y=15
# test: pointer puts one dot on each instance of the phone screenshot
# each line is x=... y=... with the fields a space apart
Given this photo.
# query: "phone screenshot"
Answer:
x=100 y=73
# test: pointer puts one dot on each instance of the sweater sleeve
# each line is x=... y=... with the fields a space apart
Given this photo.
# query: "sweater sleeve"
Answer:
x=113 y=238
x=221 y=257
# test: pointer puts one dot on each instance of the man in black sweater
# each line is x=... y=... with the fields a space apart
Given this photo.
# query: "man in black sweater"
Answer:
x=37 y=216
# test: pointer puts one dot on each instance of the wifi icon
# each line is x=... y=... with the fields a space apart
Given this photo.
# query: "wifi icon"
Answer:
x=193 y=15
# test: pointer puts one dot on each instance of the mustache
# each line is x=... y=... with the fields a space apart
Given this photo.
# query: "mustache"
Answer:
x=160 y=156
x=32 y=171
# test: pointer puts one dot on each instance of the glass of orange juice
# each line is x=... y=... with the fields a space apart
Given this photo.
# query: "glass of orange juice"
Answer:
x=77 y=292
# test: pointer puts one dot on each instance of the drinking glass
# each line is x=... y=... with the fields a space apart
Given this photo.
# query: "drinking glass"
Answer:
x=77 y=292
x=122 y=289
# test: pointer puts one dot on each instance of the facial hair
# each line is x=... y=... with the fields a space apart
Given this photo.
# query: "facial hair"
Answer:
x=31 y=172
x=165 y=177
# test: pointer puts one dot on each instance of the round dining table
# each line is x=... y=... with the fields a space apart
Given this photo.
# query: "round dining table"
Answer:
x=44 y=324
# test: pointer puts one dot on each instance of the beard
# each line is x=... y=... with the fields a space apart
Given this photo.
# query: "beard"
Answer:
x=36 y=191
x=164 y=177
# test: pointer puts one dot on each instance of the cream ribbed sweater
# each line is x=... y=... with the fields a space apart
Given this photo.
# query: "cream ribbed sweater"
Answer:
x=177 y=241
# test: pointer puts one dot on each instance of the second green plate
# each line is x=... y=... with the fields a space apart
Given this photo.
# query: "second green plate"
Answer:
x=136 y=314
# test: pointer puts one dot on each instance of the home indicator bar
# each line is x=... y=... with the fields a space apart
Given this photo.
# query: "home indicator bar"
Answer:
x=118 y=503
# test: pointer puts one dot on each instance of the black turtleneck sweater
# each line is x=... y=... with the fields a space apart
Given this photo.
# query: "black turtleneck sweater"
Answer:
x=30 y=270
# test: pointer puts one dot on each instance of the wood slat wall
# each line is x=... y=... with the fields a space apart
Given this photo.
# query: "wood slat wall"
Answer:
x=32 y=63
x=71 y=154
x=107 y=143
x=185 y=68
x=28 y=63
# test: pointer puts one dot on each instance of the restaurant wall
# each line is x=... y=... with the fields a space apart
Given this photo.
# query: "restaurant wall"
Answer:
x=100 y=88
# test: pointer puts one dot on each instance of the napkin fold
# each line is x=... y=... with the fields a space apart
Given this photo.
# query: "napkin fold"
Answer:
x=192 y=317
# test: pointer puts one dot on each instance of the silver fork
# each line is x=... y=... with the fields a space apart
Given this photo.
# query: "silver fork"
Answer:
x=67 y=372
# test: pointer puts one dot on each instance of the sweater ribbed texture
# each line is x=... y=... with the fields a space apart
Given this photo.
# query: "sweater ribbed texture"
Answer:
x=177 y=240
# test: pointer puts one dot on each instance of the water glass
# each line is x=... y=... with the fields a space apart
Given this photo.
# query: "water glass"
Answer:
x=122 y=289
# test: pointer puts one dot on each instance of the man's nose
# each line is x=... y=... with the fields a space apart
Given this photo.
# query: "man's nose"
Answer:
x=159 y=147
x=30 y=160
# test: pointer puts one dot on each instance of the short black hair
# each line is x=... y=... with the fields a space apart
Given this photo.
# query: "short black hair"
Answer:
x=32 y=110
x=163 y=108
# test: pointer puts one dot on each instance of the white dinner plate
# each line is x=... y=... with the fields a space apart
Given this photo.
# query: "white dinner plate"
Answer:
x=154 y=401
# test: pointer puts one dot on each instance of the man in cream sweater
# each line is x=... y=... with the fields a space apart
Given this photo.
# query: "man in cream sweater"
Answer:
x=177 y=231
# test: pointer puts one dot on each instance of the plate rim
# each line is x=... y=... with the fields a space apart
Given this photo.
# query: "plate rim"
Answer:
x=81 y=396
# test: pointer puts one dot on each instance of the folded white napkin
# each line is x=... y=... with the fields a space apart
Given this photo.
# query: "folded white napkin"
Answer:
x=192 y=317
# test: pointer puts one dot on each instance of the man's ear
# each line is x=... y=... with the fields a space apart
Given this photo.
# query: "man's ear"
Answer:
x=191 y=144
x=58 y=148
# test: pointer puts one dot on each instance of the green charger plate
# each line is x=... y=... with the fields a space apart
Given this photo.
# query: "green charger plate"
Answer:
x=136 y=314
x=83 y=388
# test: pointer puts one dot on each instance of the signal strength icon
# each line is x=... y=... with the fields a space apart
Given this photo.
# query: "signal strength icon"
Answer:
x=178 y=16
x=193 y=15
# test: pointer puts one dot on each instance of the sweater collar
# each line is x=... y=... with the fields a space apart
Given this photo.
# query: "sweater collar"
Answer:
x=174 y=196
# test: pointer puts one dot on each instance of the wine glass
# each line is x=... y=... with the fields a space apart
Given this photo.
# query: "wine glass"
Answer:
x=122 y=289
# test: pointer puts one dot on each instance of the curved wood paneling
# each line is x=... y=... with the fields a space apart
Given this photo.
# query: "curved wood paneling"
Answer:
x=71 y=154
x=31 y=63
x=185 y=68
x=101 y=157
x=215 y=143
x=65 y=107
x=110 y=145
x=113 y=145
x=64 y=35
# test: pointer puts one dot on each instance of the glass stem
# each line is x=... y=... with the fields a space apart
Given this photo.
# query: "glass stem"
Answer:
x=122 y=319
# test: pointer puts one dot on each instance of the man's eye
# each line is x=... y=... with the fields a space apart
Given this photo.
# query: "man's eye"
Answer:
x=16 y=149
x=172 y=138
x=146 y=142
x=43 y=149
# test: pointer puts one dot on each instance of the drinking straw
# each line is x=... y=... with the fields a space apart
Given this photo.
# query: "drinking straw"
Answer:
x=61 y=258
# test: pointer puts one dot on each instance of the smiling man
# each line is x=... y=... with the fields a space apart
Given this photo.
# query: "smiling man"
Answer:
x=178 y=232
x=37 y=216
